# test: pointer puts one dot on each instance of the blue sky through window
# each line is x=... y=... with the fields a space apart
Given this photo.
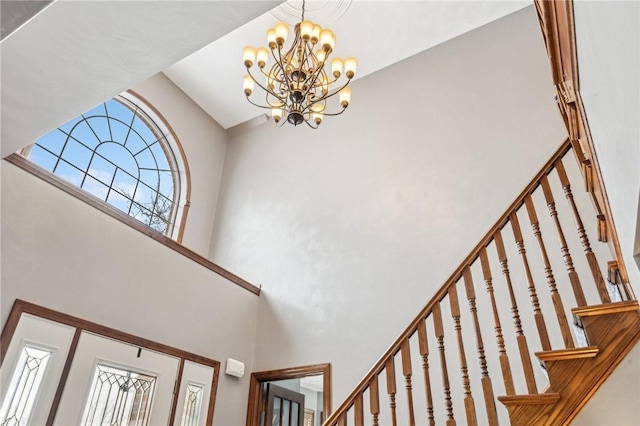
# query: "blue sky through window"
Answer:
x=119 y=155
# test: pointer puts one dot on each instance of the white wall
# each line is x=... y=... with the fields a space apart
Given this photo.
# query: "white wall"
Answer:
x=311 y=402
x=616 y=402
x=352 y=227
x=204 y=143
x=63 y=254
x=608 y=44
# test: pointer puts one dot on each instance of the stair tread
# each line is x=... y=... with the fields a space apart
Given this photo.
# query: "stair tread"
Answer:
x=576 y=373
x=571 y=353
x=530 y=399
x=607 y=308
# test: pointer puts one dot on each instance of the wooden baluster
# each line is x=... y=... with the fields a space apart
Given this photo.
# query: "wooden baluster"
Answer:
x=406 y=371
x=390 y=369
x=564 y=249
x=487 y=386
x=584 y=239
x=439 y=329
x=523 y=347
x=505 y=366
x=358 y=411
x=342 y=421
x=469 y=404
x=537 y=313
x=555 y=296
x=424 y=352
x=374 y=399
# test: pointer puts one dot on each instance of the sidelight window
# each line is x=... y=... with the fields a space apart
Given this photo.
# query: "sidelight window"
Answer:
x=24 y=386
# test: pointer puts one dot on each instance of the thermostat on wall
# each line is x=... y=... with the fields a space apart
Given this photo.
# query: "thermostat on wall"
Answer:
x=234 y=368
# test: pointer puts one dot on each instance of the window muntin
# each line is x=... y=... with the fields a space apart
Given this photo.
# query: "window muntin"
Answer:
x=119 y=397
x=192 y=404
x=25 y=384
x=119 y=154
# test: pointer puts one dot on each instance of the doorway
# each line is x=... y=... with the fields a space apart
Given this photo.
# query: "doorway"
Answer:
x=115 y=382
x=59 y=369
x=313 y=382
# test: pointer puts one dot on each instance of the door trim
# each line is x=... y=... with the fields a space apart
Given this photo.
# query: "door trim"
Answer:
x=22 y=306
x=257 y=378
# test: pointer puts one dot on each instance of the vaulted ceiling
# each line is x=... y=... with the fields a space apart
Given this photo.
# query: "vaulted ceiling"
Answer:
x=377 y=33
x=72 y=55
x=61 y=58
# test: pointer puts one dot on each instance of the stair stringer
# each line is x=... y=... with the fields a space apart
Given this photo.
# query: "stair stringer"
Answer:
x=576 y=374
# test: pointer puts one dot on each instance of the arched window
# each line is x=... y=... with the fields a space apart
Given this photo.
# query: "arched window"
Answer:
x=119 y=151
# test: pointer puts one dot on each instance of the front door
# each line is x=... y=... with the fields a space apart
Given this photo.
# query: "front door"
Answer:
x=284 y=407
x=112 y=382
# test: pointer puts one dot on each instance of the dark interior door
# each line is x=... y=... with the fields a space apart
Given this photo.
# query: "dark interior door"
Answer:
x=284 y=407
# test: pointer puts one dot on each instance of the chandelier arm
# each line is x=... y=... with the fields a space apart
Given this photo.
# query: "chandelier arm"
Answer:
x=279 y=60
x=333 y=114
x=283 y=100
x=269 y=76
x=258 y=105
x=335 y=80
x=309 y=123
x=327 y=96
x=336 y=91
x=278 y=64
x=315 y=61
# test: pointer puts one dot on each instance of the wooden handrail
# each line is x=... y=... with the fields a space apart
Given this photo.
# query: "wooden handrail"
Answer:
x=538 y=191
x=558 y=28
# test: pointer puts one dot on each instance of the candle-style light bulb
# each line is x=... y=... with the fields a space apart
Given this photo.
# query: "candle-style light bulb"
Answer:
x=306 y=29
x=276 y=113
x=248 y=84
x=271 y=38
x=282 y=30
x=262 y=57
x=327 y=40
x=350 y=65
x=336 y=67
x=249 y=55
x=345 y=97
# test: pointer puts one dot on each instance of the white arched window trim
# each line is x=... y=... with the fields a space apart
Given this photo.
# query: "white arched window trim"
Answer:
x=176 y=156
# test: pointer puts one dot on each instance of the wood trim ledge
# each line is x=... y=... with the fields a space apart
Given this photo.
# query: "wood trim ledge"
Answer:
x=26 y=165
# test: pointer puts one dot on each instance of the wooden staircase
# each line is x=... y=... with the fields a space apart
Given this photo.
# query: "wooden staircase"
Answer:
x=575 y=374
x=531 y=291
x=445 y=384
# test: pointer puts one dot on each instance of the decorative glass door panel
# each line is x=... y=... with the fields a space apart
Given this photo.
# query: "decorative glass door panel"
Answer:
x=119 y=396
x=110 y=377
x=115 y=383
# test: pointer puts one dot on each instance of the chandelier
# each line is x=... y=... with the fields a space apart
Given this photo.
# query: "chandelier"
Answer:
x=297 y=86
